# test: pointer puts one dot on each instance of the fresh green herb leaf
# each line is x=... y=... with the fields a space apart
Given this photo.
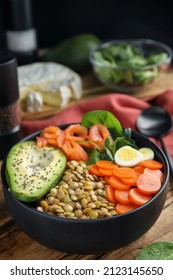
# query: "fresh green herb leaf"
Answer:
x=102 y=117
x=126 y=63
x=120 y=136
x=157 y=58
x=125 y=140
x=128 y=137
x=108 y=143
x=93 y=156
x=162 y=250
x=106 y=155
x=128 y=133
x=145 y=75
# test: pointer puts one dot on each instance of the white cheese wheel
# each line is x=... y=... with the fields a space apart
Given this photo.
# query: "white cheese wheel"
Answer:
x=56 y=83
x=34 y=102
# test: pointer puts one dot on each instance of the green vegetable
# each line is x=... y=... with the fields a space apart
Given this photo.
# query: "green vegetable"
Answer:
x=93 y=156
x=157 y=251
x=103 y=117
x=31 y=172
x=74 y=52
x=120 y=136
x=157 y=58
x=134 y=68
x=125 y=140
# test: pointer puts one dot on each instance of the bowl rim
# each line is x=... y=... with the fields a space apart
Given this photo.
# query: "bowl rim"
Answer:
x=141 y=41
x=79 y=221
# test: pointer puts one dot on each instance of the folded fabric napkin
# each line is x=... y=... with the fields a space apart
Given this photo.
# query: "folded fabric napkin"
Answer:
x=124 y=107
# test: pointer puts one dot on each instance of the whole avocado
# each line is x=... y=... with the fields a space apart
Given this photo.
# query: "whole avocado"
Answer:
x=74 y=52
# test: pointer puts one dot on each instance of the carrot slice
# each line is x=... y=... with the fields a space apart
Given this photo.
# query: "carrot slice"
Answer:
x=106 y=164
x=122 y=196
x=139 y=168
x=106 y=172
x=117 y=183
x=137 y=197
x=156 y=172
x=132 y=181
x=93 y=169
x=124 y=208
x=152 y=164
x=124 y=172
x=110 y=194
x=148 y=183
x=107 y=179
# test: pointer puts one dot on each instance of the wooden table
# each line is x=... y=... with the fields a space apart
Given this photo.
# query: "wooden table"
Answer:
x=15 y=245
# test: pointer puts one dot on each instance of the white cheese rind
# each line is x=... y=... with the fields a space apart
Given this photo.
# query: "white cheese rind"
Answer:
x=34 y=102
x=56 y=83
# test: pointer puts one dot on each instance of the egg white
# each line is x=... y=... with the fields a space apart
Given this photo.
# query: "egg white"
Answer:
x=147 y=153
x=127 y=156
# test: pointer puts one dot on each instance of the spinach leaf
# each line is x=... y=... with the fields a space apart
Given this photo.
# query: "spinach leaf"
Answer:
x=126 y=63
x=157 y=58
x=103 y=117
x=162 y=250
x=128 y=137
x=125 y=140
x=121 y=137
x=93 y=156
x=106 y=155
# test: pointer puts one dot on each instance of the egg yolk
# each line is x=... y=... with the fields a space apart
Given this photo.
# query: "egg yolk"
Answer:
x=127 y=154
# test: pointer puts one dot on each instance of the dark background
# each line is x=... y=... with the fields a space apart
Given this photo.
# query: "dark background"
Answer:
x=56 y=20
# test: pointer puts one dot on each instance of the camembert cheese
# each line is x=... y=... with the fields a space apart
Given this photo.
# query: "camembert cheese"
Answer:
x=47 y=83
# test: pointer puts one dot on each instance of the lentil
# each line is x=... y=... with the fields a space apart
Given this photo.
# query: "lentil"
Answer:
x=78 y=195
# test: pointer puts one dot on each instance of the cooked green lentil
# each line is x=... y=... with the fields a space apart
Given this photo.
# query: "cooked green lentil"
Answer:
x=78 y=195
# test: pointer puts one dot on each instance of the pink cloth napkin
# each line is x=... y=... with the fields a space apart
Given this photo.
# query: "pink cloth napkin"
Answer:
x=126 y=108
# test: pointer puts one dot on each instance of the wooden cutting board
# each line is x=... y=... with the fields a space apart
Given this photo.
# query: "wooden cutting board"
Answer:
x=92 y=88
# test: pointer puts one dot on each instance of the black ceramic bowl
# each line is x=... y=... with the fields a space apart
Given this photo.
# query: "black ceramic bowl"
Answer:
x=89 y=236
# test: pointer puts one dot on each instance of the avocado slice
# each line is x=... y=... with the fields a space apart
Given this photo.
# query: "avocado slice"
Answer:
x=32 y=171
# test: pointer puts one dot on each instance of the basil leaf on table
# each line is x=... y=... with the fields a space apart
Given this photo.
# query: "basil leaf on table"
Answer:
x=162 y=250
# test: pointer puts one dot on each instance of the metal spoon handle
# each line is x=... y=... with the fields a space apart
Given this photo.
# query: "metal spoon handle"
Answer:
x=167 y=155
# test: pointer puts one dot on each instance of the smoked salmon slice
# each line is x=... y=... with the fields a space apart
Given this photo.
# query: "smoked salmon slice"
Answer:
x=98 y=133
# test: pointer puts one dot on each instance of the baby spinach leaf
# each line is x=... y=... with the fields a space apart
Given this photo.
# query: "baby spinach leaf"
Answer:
x=125 y=140
x=93 y=156
x=128 y=137
x=120 y=136
x=102 y=117
x=127 y=63
x=106 y=155
x=162 y=250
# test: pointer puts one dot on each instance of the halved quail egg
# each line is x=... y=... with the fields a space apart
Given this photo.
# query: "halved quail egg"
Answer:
x=128 y=156
x=147 y=153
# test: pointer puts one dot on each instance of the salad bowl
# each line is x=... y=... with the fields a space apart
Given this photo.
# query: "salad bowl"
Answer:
x=128 y=65
x=88 y=236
